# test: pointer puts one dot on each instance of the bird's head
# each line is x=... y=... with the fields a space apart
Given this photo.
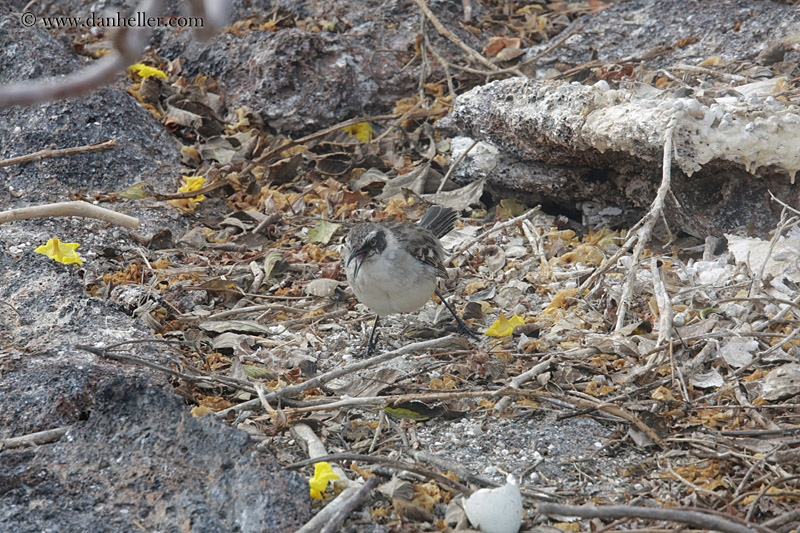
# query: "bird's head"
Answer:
x=365 y=242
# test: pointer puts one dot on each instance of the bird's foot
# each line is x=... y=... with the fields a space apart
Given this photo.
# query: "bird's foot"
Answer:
x=467 y=331
x=370 y=351
x=463 y=329
x=373 y=339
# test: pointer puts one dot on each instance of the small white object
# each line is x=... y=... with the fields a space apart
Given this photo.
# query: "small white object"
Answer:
x=496 y=510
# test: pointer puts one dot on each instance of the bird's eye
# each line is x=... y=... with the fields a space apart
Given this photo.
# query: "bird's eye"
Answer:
x=373 y=241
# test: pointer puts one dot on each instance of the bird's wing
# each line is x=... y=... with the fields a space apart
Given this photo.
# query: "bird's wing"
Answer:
x=421 y=243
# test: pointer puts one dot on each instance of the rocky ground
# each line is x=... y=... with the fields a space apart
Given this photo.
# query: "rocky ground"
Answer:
x=178 y=377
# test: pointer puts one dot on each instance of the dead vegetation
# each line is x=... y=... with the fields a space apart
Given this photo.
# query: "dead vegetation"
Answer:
x=688 y=353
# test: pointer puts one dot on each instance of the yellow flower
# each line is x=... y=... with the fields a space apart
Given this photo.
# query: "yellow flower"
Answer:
x=322 y=473
x=145 y=72
x=193 y=183
x=504 y=326
x=362 y=131
x=63 y=252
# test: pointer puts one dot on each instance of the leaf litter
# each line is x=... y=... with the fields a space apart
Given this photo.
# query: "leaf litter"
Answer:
x=579 y=410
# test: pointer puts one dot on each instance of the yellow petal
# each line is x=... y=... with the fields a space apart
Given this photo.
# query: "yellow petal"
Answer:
x=362 y=131
x=322 y=473
x=193 y=183
x=145 y=72
x=63 y=252
x=503 y=327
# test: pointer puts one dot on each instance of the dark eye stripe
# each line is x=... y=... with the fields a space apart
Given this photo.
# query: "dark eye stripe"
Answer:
x=380 y=241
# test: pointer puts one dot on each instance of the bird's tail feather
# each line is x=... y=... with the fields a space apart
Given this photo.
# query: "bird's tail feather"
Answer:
x=440 y=220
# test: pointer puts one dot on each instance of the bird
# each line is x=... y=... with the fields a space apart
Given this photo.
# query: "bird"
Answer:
x=393 y=267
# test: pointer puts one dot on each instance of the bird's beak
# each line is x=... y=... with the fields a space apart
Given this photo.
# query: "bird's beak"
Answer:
x=358 y=255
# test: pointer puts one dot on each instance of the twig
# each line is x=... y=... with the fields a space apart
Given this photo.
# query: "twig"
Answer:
x=447 y=465
x=315 y=318
x=761 y=460
x=662 y=299
x=538 y=247
x=695 y=488
x=405 y=116
x=784 y=204
x=377 y=434
x=349 y=505
x=321 y=518
x=316 y=451
x=450 y=87
x=648 y=223
x=335 y=374
x=760 y=357
x=519 y=380
x=455 y=165
x=703 y=70
x=70 y=209
x=33 y=439
x=762 y=433
x=549 y=49
x=761 y=494
x=400 y=465
x=50 y=152
x=783 y=519
x=455 y=40
x=366 y=401
x=248 y=309
x=612 y=261
x=220 y=380
x=493 y=229
x=353 y=121
x=605 y=407
x=693 y=518
x=758 y=277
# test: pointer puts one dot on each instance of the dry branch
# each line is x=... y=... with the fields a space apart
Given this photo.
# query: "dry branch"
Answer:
x=70 y=209
x=330 y=510
x=665 y=313
x=466 y=246
x=692 y=518
x=648 y=223
x=33 y=439
x=129 y=43
x=521 y=379
x=327 y=377
x=349 y=505
x=400 y=465
x=455 y=40
x=50 y=152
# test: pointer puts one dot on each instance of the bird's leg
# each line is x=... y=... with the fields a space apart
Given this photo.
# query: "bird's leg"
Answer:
x=371 y=342
x=462 y=327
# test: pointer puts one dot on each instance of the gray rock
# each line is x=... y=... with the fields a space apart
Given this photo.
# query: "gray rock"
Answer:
x=141 y=460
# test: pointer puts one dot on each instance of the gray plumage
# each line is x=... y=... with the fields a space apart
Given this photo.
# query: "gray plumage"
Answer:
x=440 y=220
x=392 y=266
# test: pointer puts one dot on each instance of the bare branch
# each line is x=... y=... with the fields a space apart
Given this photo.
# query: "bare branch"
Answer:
x=681 y=516
x=50 y=152
x=70 y=209
x=648 y=223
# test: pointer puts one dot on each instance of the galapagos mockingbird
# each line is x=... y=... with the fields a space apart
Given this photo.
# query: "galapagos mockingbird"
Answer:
x=393 y=266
